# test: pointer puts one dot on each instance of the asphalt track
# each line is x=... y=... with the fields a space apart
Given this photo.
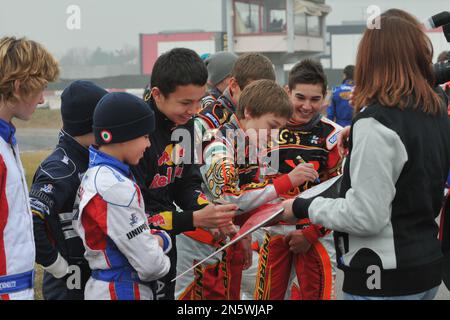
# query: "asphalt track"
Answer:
x=36 y=139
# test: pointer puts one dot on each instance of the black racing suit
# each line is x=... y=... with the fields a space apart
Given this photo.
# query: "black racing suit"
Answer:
x=52 y=198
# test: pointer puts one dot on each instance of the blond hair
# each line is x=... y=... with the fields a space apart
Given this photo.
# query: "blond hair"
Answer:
x=27 y=62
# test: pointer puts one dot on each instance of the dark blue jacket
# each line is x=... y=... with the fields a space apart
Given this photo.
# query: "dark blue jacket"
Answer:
x=340 y=110
x=52 y=198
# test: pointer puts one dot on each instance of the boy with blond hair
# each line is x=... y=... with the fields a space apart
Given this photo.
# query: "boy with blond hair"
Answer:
x=26 y=68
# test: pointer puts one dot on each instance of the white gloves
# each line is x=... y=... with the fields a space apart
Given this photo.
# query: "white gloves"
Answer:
x=59 y=268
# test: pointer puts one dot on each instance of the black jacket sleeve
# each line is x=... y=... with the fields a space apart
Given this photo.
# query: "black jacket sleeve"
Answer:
x=161 y=215
x=187 y=190
x=47 y=196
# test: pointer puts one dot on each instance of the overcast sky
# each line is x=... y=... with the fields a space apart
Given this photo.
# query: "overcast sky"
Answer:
x=113 y=24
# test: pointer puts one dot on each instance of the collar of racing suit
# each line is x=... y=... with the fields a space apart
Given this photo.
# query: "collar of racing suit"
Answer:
x=234 y=121
x=67 y=139
x=238 y=131
x=228 y=100
x=349 y=82
x=97 y=158
x=215 y=93
x=305 y=127
x=161 y=119
x=7 y=132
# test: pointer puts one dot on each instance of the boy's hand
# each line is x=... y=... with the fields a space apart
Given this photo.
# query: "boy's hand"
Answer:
x=342 y=141
x=229 y=230
x=59 y=268
x=297 y=242
x=248 y=252
x=222 y=233
x=215 y=216
x=164 y=240
x=217 y=235
x=160 y=241
x=303 y=173
x=288 y=214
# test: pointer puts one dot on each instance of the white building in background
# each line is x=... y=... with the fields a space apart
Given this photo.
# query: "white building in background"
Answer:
x=284 y=30
x=347 y=22
x=289 y=30
x=344 y=41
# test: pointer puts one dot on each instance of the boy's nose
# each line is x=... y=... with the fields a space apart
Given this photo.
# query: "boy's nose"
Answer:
x=307 y=105
x=41 y=98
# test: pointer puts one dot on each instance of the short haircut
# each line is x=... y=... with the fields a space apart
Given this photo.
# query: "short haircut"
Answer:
x=348 y=72
x=264 y=97
x=250 y=67
x=178 y=67
x=443 y=56
x=308 y=72
x=27 y=62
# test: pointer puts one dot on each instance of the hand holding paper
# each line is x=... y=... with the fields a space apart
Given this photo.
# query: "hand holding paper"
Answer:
x=295 y=209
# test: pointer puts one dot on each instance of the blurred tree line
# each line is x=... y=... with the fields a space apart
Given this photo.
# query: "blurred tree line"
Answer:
x=85 y=56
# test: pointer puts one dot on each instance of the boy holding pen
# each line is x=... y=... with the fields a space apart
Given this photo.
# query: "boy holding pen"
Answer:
x=307 y=138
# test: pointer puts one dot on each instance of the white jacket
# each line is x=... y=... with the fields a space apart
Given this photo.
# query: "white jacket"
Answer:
x=17 y=251
x=113 y=225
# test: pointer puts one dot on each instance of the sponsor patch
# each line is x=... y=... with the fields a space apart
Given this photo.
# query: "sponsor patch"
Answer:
x=201 y=200
x=134 y=233
x=333 y=138
x=39 y=207
x=162 y=220
x=48 y=188
x=65 y=160
x=213 y=119
x=41 y=197
x=133 y=220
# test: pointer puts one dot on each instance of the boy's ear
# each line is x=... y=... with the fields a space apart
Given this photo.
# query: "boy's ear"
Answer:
x=156 y=94
x=247 y=114
x=230 y=81
x=16 y=89
x=286 y=88
x=233 y=84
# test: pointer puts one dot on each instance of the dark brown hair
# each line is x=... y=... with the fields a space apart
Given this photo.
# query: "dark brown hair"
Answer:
x=263 y=97
x=349 y=72
x=443 y=56
x=394 y=67
x=250 y=67
x=308 y=72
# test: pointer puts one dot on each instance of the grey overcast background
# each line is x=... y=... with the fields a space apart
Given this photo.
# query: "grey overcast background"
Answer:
x=112 y=25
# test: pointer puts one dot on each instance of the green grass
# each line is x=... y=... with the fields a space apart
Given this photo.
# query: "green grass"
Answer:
x=42 y=118
x=38 y=282
x=31 y=161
